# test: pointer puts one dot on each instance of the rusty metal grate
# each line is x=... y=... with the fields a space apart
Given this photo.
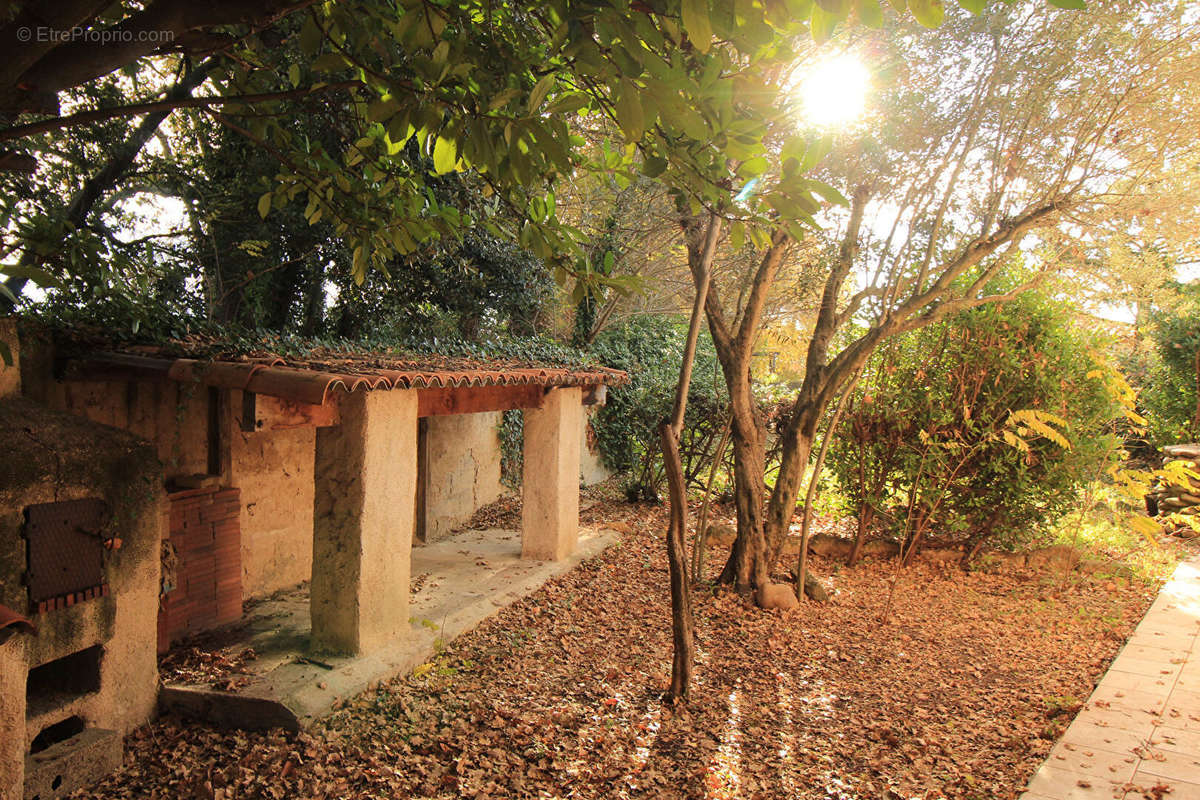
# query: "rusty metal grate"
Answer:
x=65 y=548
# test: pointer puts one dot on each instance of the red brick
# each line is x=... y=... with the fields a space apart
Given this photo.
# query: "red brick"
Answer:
x=227 y=551
x=197 y=563
x=187 y=494
x=227 y=612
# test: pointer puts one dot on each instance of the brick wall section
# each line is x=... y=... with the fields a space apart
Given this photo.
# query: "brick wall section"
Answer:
x=204 y=527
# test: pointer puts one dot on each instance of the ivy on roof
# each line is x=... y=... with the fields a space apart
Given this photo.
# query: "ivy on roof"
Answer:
x=190 y=338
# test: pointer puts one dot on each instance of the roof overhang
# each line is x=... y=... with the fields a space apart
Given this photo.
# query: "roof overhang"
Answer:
x=299 y=389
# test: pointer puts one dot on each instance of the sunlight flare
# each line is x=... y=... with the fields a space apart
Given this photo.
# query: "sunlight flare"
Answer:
x=833 y=92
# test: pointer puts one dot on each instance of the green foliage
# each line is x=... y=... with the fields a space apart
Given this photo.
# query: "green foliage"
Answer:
x=650 y=349
x=472 y=289
x=1170 y=394
x=181 y=336
x=982 y=427
x=512 y=447
x=490 y=88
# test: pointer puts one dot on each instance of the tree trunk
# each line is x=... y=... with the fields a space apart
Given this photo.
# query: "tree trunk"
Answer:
x=684 y=645
x=860 y=536
x=797 y=447
x=802 y=575
x=747 y=568
x=682 y=628
x=918 y=536
x=698 y=543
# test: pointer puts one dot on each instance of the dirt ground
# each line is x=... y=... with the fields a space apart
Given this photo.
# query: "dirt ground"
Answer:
x=958 y=694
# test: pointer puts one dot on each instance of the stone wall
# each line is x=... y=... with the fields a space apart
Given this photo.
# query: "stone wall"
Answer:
x=274 y=470
x=462 y=469
x=591 y=466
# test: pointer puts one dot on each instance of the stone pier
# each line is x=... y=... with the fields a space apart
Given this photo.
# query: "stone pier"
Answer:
x=550 y=482
x=366 y=472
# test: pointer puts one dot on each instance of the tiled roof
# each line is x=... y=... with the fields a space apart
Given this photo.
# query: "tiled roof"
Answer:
x=11 y=623
x=311 y=380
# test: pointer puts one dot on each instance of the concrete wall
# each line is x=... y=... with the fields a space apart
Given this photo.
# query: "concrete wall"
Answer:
x=274 y=470
x=591 y=465
x=171 y=415
x=462 y=462
x=550 y=476
x=67 y=458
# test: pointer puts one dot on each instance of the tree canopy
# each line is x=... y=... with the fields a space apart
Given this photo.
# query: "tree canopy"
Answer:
x=488 y=88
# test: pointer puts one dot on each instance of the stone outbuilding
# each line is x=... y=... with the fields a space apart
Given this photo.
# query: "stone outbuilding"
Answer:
x=81 y=519
x=327 y=467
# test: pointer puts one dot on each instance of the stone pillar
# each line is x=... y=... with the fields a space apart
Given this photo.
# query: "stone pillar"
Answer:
x=363 y=506
x=550 y=482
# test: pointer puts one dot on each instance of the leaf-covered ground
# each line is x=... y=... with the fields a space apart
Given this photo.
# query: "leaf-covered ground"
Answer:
x=960 y=694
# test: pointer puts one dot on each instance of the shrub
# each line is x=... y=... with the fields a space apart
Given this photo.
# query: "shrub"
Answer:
x=1170 y=392
x=650 y=349
x=929 y=442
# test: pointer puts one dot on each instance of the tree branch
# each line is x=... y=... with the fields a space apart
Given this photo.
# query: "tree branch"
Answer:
x=162 y=22
x=764 y=278
x=169 y=104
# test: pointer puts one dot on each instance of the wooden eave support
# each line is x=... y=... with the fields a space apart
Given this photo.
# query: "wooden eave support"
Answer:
x=476 y=399
x=262 y=412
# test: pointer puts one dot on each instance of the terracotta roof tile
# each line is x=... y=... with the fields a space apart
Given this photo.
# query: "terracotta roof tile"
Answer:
x=312 y=380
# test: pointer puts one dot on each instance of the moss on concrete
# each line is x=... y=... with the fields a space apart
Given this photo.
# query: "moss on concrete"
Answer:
x=74 y=453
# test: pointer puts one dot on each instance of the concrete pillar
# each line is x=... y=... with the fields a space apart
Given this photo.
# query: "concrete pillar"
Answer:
x=363 y=506
x=13 y=670
x=550 y=482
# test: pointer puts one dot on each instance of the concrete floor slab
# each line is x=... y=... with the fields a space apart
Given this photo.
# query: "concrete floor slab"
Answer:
x=1092 y=761
x=1064 y=785
x=456 y=583
x=1107 y=695
x=1091 y=735
x=1170 y=738
x=1145 y=784
x=1141 y=726
x=1173 y=765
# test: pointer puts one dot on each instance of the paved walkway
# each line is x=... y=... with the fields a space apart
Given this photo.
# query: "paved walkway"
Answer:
x=1139 y=734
